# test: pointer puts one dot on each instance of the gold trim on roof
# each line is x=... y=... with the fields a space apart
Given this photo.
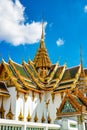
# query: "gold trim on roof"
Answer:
x=40 y=97
x=53 y=72
x=35 y=80
x=60 y=76
x=14 y=80
x=25 y=97
x=38 y=75
x=33 y=95
x=53 y=97
x=40 y=85
x=71 y=97
x=22 y=80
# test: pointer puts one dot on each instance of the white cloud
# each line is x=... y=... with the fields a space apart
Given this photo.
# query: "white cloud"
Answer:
x=12 y=24
x=60 y=42
x=85 y=8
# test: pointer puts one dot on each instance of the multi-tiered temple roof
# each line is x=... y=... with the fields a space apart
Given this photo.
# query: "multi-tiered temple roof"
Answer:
x=41 y=75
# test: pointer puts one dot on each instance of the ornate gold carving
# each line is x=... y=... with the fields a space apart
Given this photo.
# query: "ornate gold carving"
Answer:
x=20 y=117
x=28 y=117
x=34 y=78
x=13 y=79
x=40 y=97
x=61 y=95
x=32 y=64
x=17 y=73
x=80 y=118
x=25 y=97
x=49 y=119
x=43 y=118
x=41 y=58
x=53 y=72
x=4 y=75
x=35 y=118
x=17 y=95
x=33 y=95
x=43 y=72
x=10 y=114
x=53 y=97
x=47 y=103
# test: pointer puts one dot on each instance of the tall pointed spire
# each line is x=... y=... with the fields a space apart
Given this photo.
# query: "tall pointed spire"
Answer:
x=81 y=63
x=42 y=36
x=41 y=59
x=42 y=45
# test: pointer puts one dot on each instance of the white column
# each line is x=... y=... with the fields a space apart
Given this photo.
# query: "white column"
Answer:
x=24 y=126
x=81 y=125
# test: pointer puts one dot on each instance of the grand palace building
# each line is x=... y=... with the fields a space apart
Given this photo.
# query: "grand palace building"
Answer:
x=40 y=93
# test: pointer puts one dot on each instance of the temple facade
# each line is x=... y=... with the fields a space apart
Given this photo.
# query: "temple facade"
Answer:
x=39 y=91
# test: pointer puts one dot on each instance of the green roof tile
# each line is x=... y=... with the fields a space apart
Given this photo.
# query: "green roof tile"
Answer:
x=70 y=73
x=21 y=70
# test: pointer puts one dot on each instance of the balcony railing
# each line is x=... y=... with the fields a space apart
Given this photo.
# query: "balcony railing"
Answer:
x=20 y=125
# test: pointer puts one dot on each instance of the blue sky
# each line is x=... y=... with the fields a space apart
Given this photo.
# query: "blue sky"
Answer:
x=65 y=25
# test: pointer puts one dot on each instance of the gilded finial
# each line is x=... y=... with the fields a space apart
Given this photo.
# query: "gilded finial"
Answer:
x=22 y=60
x=49 y=118
x=28 y=117
x=47 y=103
x=10 y=114
x=43 y=118
x=9 y=57
x=3 y=60
x=35 y=118
x=58 y=62
x=20 y=117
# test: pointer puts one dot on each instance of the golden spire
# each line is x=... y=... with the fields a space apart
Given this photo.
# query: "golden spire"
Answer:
x=81 y=63
x=42 y=36
x=41 y=59
x=42 y=45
